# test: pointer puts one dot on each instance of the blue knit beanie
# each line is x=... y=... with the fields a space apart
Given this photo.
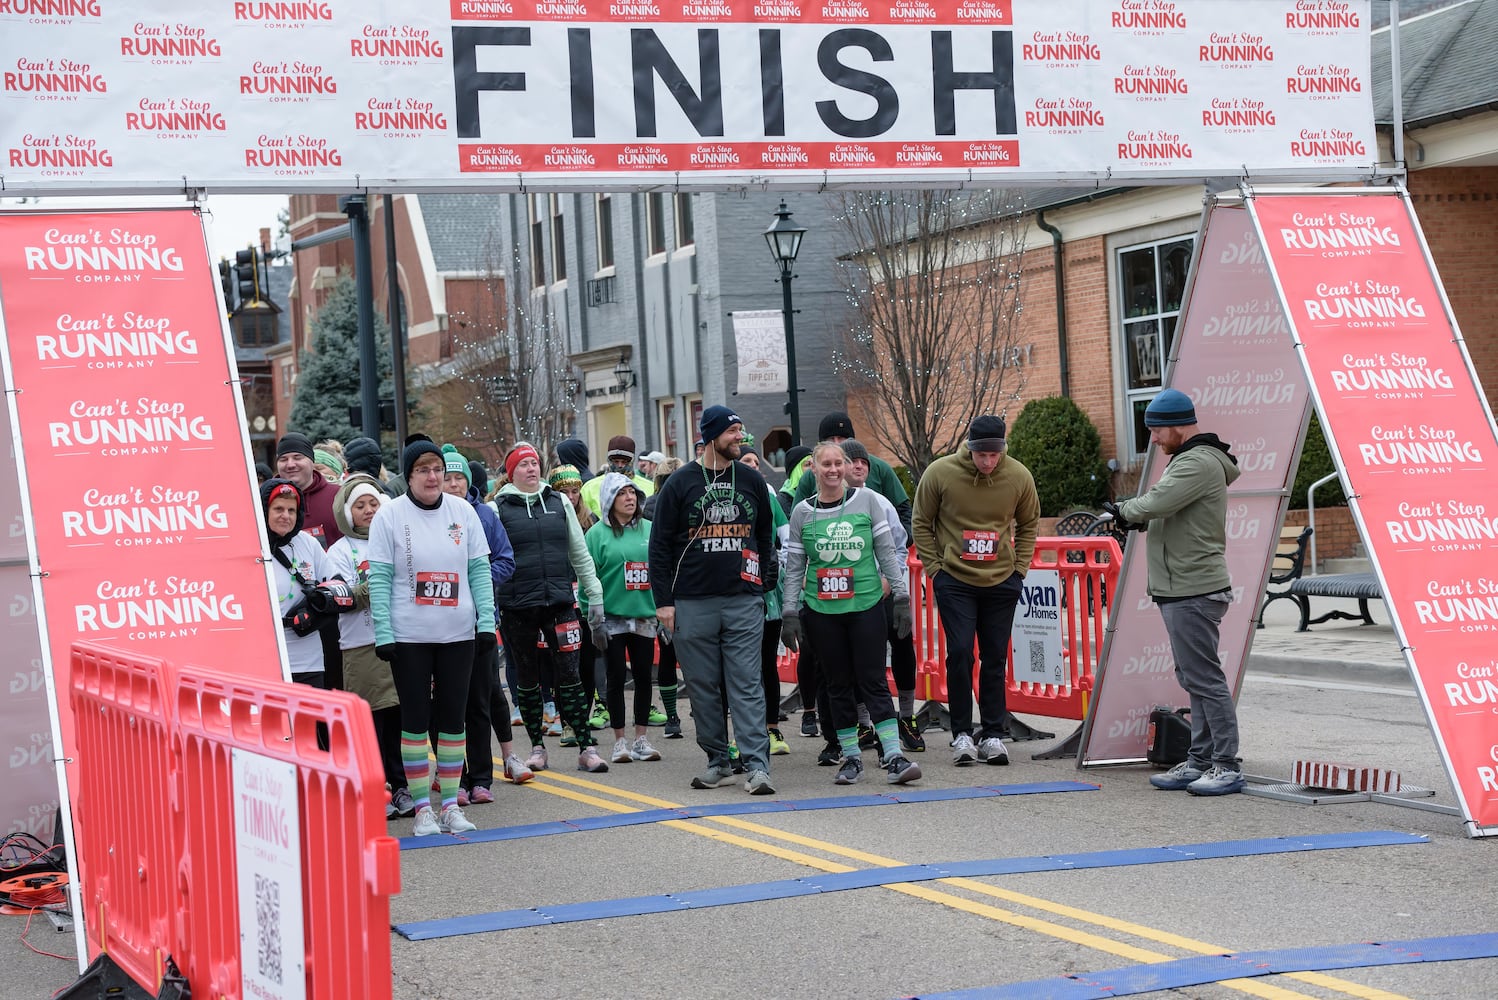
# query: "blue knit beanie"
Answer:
x=1172 y=408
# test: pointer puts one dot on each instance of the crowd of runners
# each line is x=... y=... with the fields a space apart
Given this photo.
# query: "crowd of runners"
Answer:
x=561 y=602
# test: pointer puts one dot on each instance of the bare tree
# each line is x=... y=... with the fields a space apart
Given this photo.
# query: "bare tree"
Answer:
x=934 y=279
x=510 y=377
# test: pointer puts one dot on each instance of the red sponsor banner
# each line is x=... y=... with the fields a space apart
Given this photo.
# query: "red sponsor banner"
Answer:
x=492 y=157
x=882 y=12
x=1402 y=408
x=142 y=513
x=1236 y=359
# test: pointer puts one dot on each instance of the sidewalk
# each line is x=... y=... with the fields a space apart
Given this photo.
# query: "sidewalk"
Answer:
x=1336 y=650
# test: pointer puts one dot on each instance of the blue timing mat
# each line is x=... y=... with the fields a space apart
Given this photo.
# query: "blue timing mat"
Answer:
x=739 y=809
x=1151 y=977
x=504 y=920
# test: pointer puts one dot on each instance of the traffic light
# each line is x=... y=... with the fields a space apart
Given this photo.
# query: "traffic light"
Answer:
x=387 y=415
x=247 y=275
x=226 y=282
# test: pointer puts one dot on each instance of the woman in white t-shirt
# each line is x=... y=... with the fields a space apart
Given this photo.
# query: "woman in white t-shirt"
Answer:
x=429 y=586
x=298 y=564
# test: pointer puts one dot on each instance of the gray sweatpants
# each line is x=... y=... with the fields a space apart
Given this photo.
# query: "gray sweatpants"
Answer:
x=1192 y=627
x=717 y=643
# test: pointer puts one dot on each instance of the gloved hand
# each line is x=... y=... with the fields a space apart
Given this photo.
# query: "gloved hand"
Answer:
x=595 y=626
x=790 y=631
x=484 y=643
x=904 y=621
x=772 y=573
x=386 y=652
x=1110 y=508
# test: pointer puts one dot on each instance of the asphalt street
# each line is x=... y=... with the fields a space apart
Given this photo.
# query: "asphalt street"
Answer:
x=942 y=935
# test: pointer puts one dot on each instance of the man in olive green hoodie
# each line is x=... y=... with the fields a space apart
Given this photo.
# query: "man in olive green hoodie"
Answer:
x=968 y=506
x=1186 y=516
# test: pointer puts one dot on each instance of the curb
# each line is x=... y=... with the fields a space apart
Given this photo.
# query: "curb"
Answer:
x=1383 y=672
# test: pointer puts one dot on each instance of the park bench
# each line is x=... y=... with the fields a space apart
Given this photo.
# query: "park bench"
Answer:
x=1288 y=574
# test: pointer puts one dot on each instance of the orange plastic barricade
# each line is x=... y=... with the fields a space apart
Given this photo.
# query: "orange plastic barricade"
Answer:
x=1088 y=567
x=126 y=858
x=350 y=867
x=158 y=866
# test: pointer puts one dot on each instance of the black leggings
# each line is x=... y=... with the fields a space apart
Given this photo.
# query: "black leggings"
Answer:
x=901 y=651
x=850 y=651
x=665 y=667
x=770 y=672
x=432 y=681
x=520 y=627
x=641 y=651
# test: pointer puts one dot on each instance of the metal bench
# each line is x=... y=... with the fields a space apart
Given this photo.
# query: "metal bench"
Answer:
x=1289 y=563
x=1360 y=586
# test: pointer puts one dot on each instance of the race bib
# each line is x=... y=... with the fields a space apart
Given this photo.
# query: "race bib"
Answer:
x=980 y=546
x=439 y=590
x=835 y=583
x=636 y=576
x=569 y=636
x=750 y=572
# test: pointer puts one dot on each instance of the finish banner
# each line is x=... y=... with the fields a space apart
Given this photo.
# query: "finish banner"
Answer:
x=1235 y=357
x=593 y=95
x=1416 y=446
x=141 y=511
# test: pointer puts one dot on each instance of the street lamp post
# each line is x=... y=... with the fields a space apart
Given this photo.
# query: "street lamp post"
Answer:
x=784 y=237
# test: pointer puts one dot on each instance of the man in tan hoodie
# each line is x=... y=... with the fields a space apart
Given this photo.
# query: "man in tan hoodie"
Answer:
x=975 y=520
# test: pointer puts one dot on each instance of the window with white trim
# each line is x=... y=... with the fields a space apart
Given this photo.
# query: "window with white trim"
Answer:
x=685 y=230
x=1151 y=284
x=655 y=223
x=558 y=238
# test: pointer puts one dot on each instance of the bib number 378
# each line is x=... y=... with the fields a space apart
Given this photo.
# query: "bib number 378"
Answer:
x=437 y=589
x=980 y=546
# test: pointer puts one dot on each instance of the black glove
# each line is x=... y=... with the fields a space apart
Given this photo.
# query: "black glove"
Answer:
x=302 y=620
x=331 y=597
x=484 y=643
x=386 y=652
x=772 y=572
x=904 y=620
x=790 y=630
x=1124 y=524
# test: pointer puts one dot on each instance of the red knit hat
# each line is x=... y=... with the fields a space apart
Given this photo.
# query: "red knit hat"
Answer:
x=518 y=454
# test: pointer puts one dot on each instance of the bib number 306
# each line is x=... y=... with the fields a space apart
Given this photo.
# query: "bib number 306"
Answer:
x=980 y=546
x=835 y=583
x=437 y=589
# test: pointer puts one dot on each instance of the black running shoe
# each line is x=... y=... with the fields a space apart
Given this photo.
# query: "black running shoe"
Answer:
x=867 y=738
x=831 y=754
x=911 y=740
x=850 y=772
x=809 y=726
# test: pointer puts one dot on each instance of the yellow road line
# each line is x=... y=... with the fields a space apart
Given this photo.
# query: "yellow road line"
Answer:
x=1084 y=938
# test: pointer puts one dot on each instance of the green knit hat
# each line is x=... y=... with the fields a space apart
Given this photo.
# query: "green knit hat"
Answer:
x=455 y=462
x=329 y=460
x=564 y=475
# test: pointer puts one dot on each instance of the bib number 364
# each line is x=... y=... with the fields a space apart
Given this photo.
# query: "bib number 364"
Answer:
x=980 y=546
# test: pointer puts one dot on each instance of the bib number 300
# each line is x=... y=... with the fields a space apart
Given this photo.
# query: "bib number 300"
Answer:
x=438 y=590
x=980 y=546
x=750 y=572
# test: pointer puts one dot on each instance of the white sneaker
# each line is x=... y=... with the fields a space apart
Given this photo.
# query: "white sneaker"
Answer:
x=621 y=752
x=516 y=770
x=963 y=751
x=426 y=823
x=453 y=820
x=991 y=751
x=642 y=750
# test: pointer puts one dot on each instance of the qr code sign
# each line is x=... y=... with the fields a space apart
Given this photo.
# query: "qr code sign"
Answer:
x=268 y=927
x=1037 y=658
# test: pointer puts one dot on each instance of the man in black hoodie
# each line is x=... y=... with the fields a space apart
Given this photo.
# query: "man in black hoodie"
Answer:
x=573 y=452
x=712 y=557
